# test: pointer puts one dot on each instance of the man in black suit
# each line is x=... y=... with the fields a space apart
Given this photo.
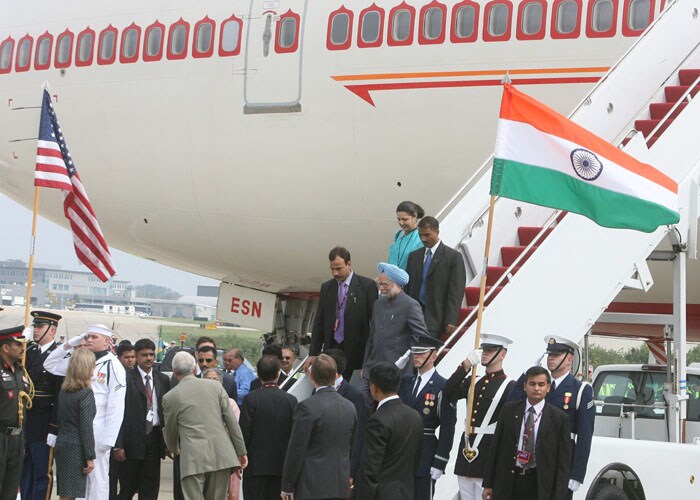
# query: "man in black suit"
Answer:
x=317 y=463
x=352 y=394
x=530 y=456
x=393 y=437
x=140 y=446
x=266 y=424
x=436 y=279
x=343 y=313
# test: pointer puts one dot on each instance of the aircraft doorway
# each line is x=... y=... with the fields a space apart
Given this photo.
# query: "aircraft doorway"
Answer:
x=274 y=56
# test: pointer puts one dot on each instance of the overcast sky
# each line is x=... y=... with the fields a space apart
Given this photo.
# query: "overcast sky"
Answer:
x=55 y=246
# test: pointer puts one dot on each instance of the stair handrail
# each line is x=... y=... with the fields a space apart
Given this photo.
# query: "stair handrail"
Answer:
x=539 y=236
x=683 y=98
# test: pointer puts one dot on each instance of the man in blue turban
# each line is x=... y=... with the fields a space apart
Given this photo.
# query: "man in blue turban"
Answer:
x=395 y=318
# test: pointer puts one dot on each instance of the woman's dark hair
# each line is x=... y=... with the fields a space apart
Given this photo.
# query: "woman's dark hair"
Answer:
x=411 y=208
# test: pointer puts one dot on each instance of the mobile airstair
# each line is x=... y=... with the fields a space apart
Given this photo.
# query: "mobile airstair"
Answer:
x=555 y=273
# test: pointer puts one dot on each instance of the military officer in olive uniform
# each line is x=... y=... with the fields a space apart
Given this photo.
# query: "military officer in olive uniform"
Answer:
x=423 y=392
x=40 y=426
x=573 y=397
x=490 y=393
x=13 y=397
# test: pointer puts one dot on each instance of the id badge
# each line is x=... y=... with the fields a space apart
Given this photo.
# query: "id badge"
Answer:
x=523 y=457
x=149 y=416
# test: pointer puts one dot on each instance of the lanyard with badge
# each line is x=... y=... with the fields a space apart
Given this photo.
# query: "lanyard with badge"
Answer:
x=339 y=308
x=523 y=457
x=149 y=397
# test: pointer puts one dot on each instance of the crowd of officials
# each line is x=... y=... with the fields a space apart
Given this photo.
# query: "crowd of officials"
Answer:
x=109 y=418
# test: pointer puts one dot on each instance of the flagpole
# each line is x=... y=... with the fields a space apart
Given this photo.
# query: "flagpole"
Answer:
x=479 y=317
x=30 y=272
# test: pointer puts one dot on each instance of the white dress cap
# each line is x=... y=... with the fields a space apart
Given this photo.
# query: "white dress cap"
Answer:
x=490 y=339
x=100 y=330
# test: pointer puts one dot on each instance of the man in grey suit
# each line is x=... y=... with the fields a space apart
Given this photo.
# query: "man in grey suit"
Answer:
x=395 y=319
x=201 y=428
x=317 y=464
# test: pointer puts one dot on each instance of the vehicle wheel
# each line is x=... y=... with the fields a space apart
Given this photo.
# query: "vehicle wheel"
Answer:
x=609 y=492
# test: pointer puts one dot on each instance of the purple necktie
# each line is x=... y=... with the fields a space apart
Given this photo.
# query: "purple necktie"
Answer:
x=339 y=333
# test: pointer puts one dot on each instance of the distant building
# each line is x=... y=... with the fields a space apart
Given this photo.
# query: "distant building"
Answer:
x=185 y=307
x=207 y=291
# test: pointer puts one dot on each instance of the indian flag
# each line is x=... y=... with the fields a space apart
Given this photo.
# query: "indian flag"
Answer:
x=543 y=158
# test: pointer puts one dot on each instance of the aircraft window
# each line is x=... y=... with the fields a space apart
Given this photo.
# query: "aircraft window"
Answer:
x=154 y=41
x=6 y=55
x=567 y=17
x=340 y=28
x=106 y=49
x=204 y=37
x=532 y=18
x=639 y=15
x=602 y=16
x=64 y=48
x=178 y=40
x=43 y=52
x=433 y=23
x=465 y=21
x=130 y=44
x=401 y=25
x=371 y=23
x=288 y=32
x=24 y=51
x=86 y=42
x=499 y=17
x=230 y=38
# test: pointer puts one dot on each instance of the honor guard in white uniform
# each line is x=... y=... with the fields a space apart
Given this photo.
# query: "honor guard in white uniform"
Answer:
x=490 y=393
x=108 y=384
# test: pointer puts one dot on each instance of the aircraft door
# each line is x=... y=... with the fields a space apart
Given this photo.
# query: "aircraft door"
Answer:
x=274 y=56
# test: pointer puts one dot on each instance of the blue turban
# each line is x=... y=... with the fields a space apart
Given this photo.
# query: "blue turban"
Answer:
x=394 y=273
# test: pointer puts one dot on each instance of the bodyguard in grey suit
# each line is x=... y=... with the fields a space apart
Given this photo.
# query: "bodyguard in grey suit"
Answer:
x=317 y=464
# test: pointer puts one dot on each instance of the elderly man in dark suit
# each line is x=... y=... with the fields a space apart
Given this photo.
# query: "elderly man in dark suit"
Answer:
x=529 y=458
x=344 y=312
x=140 y=446
x=393 y=437
x=437 y=279
x=317 y=464
x=266 y=424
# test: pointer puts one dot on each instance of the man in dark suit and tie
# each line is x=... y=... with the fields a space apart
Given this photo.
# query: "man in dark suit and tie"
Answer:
x=140 y=446
x=344 y=312
x=317 y=463
x=393 y=437
x=436 y=279
x=266 y=424
x=529 y=458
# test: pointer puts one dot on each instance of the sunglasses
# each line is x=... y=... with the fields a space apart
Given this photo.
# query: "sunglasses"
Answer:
x=205 y=360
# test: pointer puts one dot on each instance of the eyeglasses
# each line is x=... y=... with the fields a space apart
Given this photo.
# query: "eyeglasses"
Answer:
x=384 y=284
x=205 y=360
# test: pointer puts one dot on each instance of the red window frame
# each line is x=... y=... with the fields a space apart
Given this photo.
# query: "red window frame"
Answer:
x=66 y=64
x=422 y=39
x=18 y=68
x=278 y=31
x=488 y=37
x=100 y=59
x=519 y=33
x=454 y=38
x=78 y=62
x=590 y=32
x=380 y=38
x=195 y=53
x=553 y=28
x=122 y=58
x=11 y=41
x=237 y=50
x=626 y=30
x=390 y=28
x=329 y=43
x=147 y=31
x=37 y=66
x=170 y=55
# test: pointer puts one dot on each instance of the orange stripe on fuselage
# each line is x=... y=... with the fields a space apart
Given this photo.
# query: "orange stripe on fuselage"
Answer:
x=448 y=74
x=520 y=107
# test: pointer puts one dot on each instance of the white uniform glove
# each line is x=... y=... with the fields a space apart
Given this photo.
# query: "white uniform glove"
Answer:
x=403 y=360
x=435 y=474
x=574 y=485
x=51 y=440
x=474 y=357
x=538 y=359
x=75 y=341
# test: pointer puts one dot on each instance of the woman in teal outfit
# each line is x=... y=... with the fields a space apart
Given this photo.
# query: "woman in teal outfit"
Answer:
x=406 y=239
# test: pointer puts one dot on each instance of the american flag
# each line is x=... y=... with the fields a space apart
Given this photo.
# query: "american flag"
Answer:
x=55 y=169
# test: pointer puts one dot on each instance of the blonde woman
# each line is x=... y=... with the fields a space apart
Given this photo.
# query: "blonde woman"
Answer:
x=75 y=445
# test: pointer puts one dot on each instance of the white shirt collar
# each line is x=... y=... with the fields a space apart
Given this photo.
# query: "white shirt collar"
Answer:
x=143 y=373
x=559 y=380
x=386 y=400
x=538 y=407
x=338 y=381
x=45 y=347
x=434 y=248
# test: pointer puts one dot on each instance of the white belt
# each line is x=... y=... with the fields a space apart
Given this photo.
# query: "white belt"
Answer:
x=489 y=429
